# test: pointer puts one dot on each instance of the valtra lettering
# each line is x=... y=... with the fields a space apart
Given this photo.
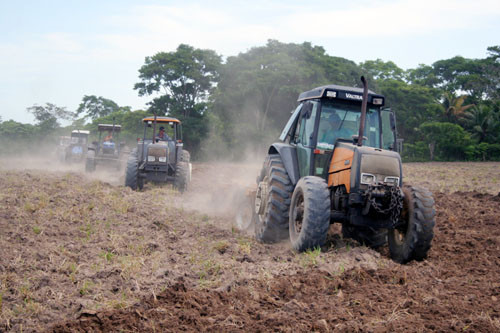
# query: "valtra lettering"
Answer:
x=352 y=96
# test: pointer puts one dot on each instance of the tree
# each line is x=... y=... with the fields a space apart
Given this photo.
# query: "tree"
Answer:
x=258 y=88
x=445 y=140
x=183 y=79
x=413 y=104
x=483 y=123
x=380 y=70
x=47 y=117
x=491 y=71
x=94 y=107
x=453 y=107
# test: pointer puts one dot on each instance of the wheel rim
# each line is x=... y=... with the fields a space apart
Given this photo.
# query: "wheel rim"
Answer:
x=298 y=213
x=261 y=198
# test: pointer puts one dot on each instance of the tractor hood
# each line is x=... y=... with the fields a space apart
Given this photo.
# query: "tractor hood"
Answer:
x=373 y=166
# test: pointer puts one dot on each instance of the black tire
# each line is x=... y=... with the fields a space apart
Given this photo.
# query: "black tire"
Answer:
x=368 y=236
x=132 y=172
x=185 y=156
x=90 y=162
x=271 y=221
x=181 y=176
x=413 y=240
x=309 y=214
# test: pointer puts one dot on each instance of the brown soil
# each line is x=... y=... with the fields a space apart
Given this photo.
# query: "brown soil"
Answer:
x=79 y=254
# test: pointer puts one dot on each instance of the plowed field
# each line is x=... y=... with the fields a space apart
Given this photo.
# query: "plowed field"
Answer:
x=82 y=253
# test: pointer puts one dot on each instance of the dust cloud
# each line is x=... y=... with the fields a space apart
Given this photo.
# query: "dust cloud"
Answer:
x=46 y=158
x=219 y=187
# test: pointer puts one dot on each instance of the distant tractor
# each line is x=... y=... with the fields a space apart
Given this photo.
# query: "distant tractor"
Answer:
x=64 y=142
x=76 y=149
x=336 y=162
x=159 y=156
x=107 y=150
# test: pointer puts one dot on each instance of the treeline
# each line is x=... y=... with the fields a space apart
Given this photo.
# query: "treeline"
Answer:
x=449 y=110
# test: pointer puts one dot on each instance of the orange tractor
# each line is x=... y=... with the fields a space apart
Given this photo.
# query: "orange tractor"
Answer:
x=336 y=163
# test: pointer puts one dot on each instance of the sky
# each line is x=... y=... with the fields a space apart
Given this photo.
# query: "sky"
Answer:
x=58 y=51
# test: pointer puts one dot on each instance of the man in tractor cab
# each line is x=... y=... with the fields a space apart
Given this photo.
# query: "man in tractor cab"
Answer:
x=162 y=135
x=331 y=129
x=109 y=137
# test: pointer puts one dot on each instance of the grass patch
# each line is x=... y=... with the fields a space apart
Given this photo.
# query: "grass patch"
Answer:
x=310 y=258
x=221 y=246
x=37 y=230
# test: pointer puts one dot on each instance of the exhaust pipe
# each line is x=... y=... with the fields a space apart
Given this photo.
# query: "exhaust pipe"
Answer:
x=363 y=112
x=154 y=128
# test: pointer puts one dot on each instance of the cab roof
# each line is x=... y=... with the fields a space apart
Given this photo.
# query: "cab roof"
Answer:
x=80 y=132
x=341 y=92
x=109 y=127
x=162 y=119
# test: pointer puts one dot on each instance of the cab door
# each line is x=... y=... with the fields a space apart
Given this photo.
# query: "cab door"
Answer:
x=304 y=137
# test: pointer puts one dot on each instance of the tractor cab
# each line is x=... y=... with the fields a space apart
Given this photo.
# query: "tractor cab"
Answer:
x=108 y=141
x=330 y=116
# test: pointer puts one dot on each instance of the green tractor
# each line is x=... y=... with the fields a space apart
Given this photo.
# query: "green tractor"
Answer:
x=160 y=159
x=336 y=162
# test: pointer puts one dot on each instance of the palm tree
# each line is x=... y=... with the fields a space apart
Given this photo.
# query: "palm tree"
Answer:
x=483 y=123
x=453 y=106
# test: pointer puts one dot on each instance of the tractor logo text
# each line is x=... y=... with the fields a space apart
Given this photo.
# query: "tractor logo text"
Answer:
x=351 y=96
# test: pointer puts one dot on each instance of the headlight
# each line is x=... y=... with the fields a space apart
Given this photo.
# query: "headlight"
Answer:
x=162 y=158
x=393 y=181
x=368 y=178
x=151 y=158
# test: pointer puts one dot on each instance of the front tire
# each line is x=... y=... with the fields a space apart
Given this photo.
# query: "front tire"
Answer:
x=132 y=172
x=412 y=240
x=272 y=201
x=181 y=176
x=309 y=214
x=185 y=156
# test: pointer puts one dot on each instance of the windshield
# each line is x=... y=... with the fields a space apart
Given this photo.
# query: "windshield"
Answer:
x=168 y=132
x=340 y=120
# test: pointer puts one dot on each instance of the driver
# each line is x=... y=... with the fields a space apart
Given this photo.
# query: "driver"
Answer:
x=334 y=129
x=109 y=137
x=162 y=135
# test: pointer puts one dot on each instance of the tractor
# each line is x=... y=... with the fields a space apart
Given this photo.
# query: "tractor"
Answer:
x=76 y=150
x=107 y=150
x=336 y=162
x=159 y=159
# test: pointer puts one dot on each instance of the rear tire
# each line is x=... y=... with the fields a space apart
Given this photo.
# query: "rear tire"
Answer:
x=413 y=240
x=309 y=214
x=271 y=220
x=181 y=176
x=132 y=172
